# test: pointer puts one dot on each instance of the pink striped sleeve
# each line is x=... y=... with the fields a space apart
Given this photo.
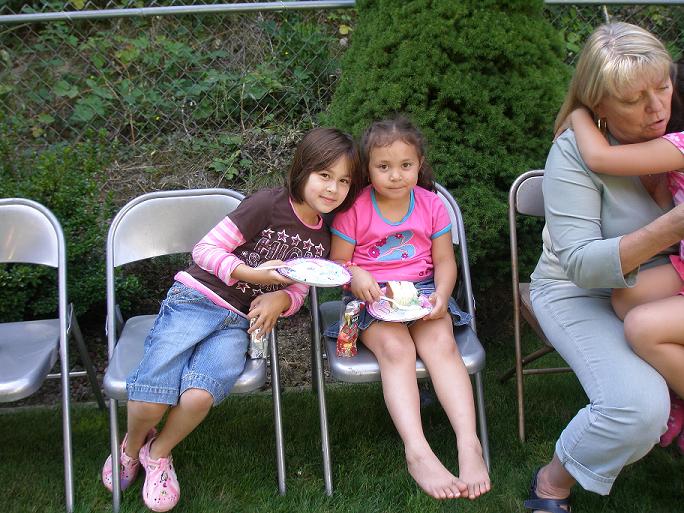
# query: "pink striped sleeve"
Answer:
x=214 y=253
x=297 y=293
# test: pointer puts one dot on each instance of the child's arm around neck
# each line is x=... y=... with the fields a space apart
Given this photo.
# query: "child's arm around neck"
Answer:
x=654 y=156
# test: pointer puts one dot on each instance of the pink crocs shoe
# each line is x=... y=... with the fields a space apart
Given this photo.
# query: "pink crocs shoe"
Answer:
x=675 y=422
x=129 y=466
x=161 y=490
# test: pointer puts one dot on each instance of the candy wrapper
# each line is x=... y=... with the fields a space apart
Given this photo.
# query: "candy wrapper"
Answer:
x=258 y=343
x=349 y=329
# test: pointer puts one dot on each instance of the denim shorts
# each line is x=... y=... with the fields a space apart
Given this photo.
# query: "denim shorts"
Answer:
x=425 y=288
x=193 y=343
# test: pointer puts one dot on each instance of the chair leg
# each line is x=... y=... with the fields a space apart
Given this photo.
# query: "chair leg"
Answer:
x=277 y=414
x=482 y=419
x=85 y=358
x=114 y=447
x=66 y=429
x=320 y=389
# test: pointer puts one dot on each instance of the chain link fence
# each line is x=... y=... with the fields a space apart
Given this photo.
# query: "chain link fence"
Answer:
x=202 y=99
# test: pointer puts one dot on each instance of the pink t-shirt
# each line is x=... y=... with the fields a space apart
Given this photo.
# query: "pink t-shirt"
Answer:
x=675 y=179
x=394 y=251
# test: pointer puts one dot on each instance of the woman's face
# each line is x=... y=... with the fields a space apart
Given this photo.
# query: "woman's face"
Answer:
x=640 y=113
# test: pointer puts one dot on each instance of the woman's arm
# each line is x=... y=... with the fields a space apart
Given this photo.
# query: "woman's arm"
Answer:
x=655 y=156
x=576 y=222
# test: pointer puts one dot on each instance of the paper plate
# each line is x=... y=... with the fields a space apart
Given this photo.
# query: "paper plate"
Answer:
x=384 y=310
x=316 y=271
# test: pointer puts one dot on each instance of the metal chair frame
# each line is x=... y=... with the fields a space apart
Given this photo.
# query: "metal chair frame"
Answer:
x=31 y=234
x=165 y=223
x=525 y=198
x=472 y=351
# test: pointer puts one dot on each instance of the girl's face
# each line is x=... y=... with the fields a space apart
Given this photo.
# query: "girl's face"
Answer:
x=326 y=189
x=640 y=113
x=394 y=169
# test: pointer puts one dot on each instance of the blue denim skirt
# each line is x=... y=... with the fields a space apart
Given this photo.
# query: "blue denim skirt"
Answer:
x=193 y=343
x=424 y=287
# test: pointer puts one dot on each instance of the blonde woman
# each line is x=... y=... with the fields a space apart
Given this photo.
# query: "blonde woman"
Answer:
x=600 y=232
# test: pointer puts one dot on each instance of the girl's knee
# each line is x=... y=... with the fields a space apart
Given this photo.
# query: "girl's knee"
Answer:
x=638 y=331
x=393 y=351
x=197 y=400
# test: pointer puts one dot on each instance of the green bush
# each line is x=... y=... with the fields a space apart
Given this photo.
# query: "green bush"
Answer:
x=483 y=79
x=67 y=180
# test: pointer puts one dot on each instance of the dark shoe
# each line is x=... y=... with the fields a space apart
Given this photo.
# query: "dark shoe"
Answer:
x=534 y=502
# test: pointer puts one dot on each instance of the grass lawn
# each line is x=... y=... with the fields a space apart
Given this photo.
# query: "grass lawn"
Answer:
x=228 y=465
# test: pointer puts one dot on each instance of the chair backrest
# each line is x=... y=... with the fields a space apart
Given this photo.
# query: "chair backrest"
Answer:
x=525 y=197
x=162 y=223
x=29 y=233
x=459 y=239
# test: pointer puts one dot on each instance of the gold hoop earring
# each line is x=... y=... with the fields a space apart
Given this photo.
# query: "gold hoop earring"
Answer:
x=601 y=124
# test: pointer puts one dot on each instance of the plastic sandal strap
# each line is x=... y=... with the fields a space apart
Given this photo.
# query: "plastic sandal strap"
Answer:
x=550 y=505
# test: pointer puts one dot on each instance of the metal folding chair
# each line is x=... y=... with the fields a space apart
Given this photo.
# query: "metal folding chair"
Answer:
x=364 y=368
x=31 y=234
x=525 y=198
x=156 y=224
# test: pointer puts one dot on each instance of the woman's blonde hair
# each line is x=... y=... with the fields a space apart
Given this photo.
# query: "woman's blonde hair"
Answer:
x=615 y=56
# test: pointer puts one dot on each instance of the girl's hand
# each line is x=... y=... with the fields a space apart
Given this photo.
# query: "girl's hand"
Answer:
x=262 y=277
x=363 y=285
x=266 y=309
x=439 y=306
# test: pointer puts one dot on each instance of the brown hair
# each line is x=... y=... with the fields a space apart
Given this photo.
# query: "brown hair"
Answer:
x=318 y=150
x=384 y=133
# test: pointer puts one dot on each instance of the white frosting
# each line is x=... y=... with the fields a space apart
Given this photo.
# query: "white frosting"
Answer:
x=403 y=292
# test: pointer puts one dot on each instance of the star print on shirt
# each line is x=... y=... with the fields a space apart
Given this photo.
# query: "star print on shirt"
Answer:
x=282 y=236
x=308 y=245
x=242 y=286
x=256 y=292
x=267 y=233
x=295 y=240
x=319 y=250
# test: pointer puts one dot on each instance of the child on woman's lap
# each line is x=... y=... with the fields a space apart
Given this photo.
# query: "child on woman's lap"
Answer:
x=652 y=308
x=196 y=349
x=398 y=229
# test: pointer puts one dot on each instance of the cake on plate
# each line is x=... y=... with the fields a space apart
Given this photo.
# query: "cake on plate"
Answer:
x=403 y=292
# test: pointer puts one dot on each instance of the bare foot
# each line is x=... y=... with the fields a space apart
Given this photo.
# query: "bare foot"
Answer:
x=432 y=476
x=472 y=469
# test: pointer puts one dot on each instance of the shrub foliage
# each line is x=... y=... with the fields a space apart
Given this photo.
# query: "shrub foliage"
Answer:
x=67 y=179
x=483 y=79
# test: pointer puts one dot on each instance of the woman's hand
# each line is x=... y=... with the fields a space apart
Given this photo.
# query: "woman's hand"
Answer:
x=266 y=309
x=363 y=285
x=440 y=306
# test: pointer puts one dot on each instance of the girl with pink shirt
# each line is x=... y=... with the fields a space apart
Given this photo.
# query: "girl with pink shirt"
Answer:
x=196 y=349
x=652 y=310
x=399 y=229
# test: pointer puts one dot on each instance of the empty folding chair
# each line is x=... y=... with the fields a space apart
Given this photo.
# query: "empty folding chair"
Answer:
x=31 y=234
x=156 y=224
x=525 y=198
x=364 y=368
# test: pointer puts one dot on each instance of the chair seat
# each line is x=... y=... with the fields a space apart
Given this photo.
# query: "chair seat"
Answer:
x=364 y=368
x=129 y=351
x=28 y=351
x=528 y=313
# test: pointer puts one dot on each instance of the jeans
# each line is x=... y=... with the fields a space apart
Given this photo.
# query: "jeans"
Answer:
x=193 y=344
x=628 y=400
